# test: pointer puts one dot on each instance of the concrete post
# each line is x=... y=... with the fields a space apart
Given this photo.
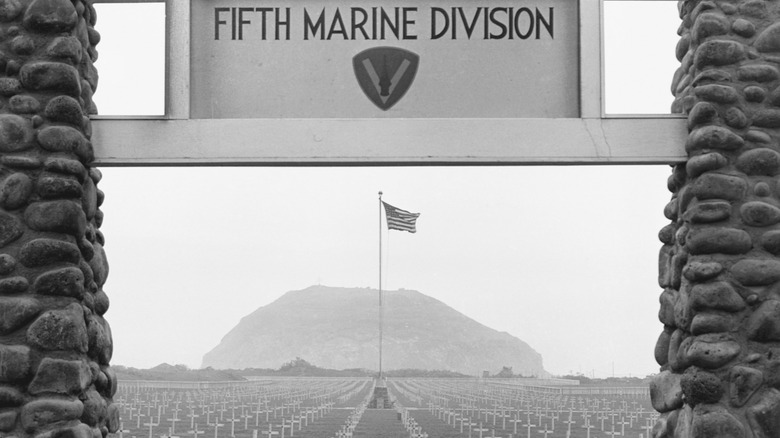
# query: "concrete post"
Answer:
x=55 y=346
x=719 y=266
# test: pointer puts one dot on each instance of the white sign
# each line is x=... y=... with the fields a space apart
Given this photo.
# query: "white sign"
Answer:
x=372 y=59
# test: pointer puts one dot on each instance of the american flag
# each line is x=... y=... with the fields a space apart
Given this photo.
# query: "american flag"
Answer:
x=400 y=220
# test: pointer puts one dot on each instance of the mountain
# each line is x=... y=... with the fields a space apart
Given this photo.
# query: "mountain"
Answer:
x=338 y=328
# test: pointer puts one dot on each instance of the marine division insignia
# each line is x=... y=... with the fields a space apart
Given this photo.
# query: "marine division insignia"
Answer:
x=385 y=74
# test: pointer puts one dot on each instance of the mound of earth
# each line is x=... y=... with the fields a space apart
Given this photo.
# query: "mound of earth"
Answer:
x=337 y=328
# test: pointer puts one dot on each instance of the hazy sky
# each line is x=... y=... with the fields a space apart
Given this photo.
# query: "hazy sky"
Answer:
x=564 y=258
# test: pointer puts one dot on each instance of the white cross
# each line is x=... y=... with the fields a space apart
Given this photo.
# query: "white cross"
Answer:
x=195 y=432
x=151 y=424
x=173 y=423
x=588 y=427
x=545 y=431
x=294 y=421
x=192 y=418
x=480 y=430
x=217 y=425
x=622 y=424
x=649 y=426
x=528 y=428
x=514 y=422
x=613 y=434
x=122 y=430
x=270 y=431
x=232 y=422
x=568 y=428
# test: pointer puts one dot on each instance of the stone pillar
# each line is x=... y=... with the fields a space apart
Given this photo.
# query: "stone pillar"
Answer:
x=55 y=346
x=719 y=266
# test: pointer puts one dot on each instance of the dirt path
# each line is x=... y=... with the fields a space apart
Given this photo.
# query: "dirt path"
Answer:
x=380 y=423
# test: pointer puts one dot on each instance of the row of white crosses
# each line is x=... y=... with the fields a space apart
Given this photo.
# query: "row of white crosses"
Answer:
x=415 y=431
x=300 y=419
x=288 y=410
x=540 y=410
x=236 y=407
x=232 y=406
x=437 y=407
x=348 y=429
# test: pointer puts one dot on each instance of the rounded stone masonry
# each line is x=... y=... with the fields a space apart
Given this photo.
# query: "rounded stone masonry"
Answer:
x=58 y=376
x=64 y=139
x=16 y=363
x=759 y=161
x=43 y=251
x=661 y=352
x=702 y=163
x=718 y=53
x=51 y=16
x=720 y=376
x=58 y=186
x=768 y=118
x=697 y=270
x=709 y=24
x=764 y=323
x=717 y=93
x=716 y=296
x=60 y=329
x=769 y=39
x=666 y=392
x=16 y=312
x=700 y=387
x=756 y=272
x=14 y=285
x=16 y=133
x=60 y=216
x=713 y=137
x=718 y=186
x=735 y=118
x=718 y=240
x=55 y=346
x=708 y=211
x=67 y=282
x=770 y=242
x=743 y=383
x=64 y=109
x=677 y=341
x=761 y=73
x=43 y=412
x=753 y=94
x=15 y=191
x=50 y=76
x=714 y=421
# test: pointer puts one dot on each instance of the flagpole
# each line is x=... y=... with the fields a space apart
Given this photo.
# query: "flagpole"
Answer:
x=380 y=287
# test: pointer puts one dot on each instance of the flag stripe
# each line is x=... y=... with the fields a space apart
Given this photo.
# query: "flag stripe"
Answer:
x=400 y=220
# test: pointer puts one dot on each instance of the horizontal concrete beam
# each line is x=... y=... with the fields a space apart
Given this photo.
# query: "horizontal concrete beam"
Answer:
x=262 y=142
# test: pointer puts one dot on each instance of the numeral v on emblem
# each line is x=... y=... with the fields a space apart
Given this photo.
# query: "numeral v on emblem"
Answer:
x=385 y=89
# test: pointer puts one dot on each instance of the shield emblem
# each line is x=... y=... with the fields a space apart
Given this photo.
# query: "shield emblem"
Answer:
x=385 y=74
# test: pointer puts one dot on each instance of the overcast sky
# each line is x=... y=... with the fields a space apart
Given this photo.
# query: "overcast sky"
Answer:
x=564 y=258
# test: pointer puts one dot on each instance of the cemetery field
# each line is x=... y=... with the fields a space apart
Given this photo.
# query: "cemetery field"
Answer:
x=338 y=408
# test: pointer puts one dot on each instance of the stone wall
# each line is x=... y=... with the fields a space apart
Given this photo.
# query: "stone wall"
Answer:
x=55 y=346
x=720 y=347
